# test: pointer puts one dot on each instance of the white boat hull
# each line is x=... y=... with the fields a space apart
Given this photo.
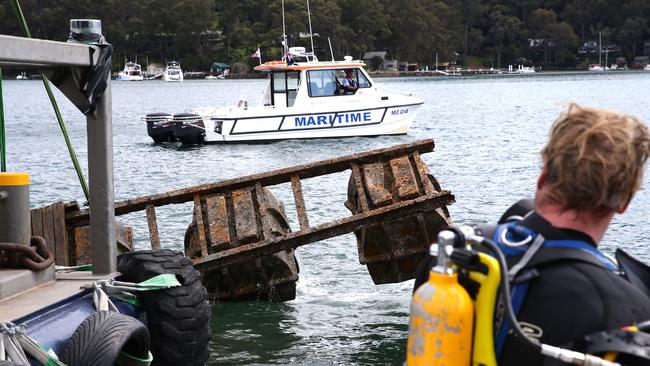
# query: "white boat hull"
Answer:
x=172 y=77
x=386 y=120
x=122 y=77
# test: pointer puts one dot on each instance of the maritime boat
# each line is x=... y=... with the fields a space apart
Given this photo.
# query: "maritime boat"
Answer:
x=304 y=98
x=173 y=72
x=131 y=72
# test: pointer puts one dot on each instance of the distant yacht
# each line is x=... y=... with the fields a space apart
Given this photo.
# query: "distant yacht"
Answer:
x=521 y=69
x=173 y=72
x=597 y=68
x=22 y=76
x=131 y=72
x=647 y=67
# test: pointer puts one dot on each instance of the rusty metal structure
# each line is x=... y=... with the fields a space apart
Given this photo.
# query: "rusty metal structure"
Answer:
x=241 y=242
x=272 y=277
x=393 y=248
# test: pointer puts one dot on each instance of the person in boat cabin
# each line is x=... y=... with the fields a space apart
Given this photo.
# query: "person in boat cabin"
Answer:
x=568 y=289
x=349 y=83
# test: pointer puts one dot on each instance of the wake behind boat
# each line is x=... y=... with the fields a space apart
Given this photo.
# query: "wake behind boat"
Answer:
x=304 y=98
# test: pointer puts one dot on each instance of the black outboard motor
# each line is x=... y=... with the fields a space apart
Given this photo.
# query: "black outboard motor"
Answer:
x=160 y=127
x=189 y=128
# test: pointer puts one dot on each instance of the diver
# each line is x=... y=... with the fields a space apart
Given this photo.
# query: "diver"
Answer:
x=564 y=287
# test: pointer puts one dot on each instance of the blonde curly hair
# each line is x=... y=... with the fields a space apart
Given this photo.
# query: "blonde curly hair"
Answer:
x=594 y=159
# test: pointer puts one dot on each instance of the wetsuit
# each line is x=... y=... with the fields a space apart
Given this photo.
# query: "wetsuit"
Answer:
x=565 y=300
x=570 y=299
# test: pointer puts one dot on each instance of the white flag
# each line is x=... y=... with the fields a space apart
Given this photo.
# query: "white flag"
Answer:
x=257 y=54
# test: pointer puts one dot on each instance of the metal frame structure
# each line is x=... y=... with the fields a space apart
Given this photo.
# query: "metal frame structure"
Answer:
x=49 y=55
x=418 y=197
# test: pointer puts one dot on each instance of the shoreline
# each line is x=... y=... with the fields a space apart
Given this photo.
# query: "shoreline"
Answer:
x=411 y=74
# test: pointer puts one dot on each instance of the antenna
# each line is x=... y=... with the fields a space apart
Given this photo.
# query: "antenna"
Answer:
x=311 y=35
x=331 y=52
x=284 y=32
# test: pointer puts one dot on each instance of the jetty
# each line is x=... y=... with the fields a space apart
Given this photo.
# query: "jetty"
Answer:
x=87 y=315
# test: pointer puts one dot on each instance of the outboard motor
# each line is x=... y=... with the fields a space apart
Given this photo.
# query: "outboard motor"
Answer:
x=160 y=127
x=189 y=128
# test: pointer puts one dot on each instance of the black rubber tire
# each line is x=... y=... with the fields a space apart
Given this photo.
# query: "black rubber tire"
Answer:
x=100 y=338
x=178 y=318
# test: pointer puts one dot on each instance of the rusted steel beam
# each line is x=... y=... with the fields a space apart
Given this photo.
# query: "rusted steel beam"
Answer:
x=274 y=177
x=199 y=225
x=154 y=237
x=264 y=218
x=299 y=199
x=422 y=172
x=356 y=176
x=423 y=204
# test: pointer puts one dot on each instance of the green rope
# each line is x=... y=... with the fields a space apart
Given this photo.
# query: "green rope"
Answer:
x=3 y=147
x=73 y=155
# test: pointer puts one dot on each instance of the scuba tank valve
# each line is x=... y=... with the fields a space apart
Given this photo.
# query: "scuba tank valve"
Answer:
x=442 y=315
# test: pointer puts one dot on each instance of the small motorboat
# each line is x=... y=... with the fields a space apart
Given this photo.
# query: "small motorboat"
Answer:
x=596 y=68
x=304 y=98
x=173 y=72
x=131 y=72
x=521 y=69
x=160 y=127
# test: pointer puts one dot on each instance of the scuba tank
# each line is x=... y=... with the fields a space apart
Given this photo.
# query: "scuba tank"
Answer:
x=441 y=329
x=442 y=315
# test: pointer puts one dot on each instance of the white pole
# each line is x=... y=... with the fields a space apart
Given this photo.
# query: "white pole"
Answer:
x=310 y=33
x=600 y=48
x=284 y=31
x=436 y=61
x=331 y=52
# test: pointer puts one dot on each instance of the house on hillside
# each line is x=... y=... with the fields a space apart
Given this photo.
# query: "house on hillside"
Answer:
x=218 y=68
x=377 y=60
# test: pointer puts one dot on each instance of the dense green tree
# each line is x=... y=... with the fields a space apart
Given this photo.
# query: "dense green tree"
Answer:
x=493 y=32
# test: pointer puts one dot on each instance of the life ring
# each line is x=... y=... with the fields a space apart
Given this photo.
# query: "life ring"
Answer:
x=103 y=338
x=178 y=318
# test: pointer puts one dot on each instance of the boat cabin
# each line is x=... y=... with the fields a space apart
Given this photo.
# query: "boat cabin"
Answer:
x=301 y=82
x=132 y=69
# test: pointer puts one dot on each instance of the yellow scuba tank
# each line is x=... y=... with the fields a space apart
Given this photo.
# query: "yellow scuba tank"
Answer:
x=441 y=316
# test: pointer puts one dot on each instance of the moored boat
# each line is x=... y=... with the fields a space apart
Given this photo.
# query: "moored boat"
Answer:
x=131 y=72
x=173 y=72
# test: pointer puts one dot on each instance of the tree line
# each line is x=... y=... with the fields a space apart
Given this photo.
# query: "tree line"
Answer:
x=489 y=33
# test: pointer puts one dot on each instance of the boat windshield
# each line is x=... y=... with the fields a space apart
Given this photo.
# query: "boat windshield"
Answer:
x=329 y=82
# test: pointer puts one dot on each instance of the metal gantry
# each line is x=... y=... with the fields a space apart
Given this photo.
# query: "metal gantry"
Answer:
x=50 y=56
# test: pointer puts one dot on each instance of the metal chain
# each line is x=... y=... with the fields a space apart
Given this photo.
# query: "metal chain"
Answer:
x=35 y=257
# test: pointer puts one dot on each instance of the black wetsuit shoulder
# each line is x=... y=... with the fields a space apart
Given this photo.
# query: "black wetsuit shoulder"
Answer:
x=570 y=299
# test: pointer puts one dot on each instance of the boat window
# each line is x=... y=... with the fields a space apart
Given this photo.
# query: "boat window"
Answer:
x=285 y=85
x=293 y=81
x=362 y=81
x=279 y=82
x=322 y=83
